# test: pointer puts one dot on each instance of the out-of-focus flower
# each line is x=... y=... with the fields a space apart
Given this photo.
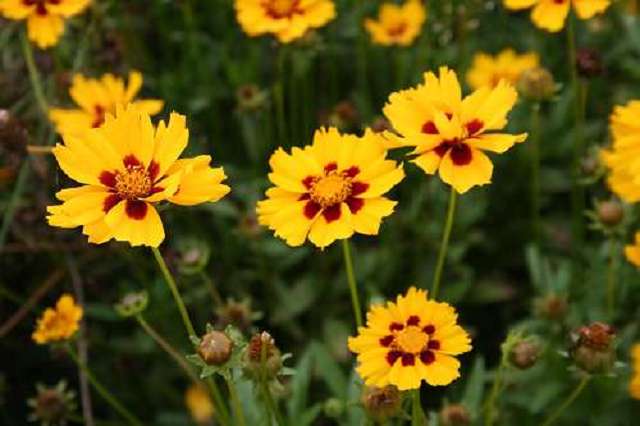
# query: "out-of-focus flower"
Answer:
x=285 y=19
x=455 y=415
x=551 y=15
x=192 y=255
x=552 y=307
x=237 y=314
x=199 y=404
x=132 y=304
x=344 y=116
x=52 y=406
x=488 y=70
x=397 y=24
x=98 y=97
x=329 y=190
x=537 y=84
x=589 y=63
x=59 y=323
x=449 y=133
x=381 y=403
x=250 y=97
x=409 y=341
x=126 y=166
x=632 y=251
x=634 y=385
x=45 y=18
x=593 y=348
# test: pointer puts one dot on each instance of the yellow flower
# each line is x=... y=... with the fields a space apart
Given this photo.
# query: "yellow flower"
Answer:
x=634 y=385
x=449 y=133
x=488 y=70
x=397 y=24
x=97 y=98
x=330 y=189
x=632 y=251
x=199 y=404
x=550 y=15
x=409 y=341
x=126 y=166
x=45 y=18
x=59 y=323
x=286 y=19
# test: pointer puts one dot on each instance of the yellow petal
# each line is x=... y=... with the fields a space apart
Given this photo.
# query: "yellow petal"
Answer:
x=464 y=177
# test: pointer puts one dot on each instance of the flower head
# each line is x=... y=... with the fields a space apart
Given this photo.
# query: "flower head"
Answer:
x=330 y=189
x=286 y=19
x=632 y=251
x=52 y=405
x=126 y=166
x=59 y=323
x=97 y=98
x=397 y=24
x=450 y=133
x=199 y=404
x=409 y=341
x=488 y=70
x=45 y=18
x=634 y=385
x=551 y=15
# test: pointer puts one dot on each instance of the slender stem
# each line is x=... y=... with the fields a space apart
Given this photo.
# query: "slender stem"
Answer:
x=353 y=286
x=490 y=407
x=215 y=294
x=104 y=393
x=36 y=83
x=444 y=245
x=12 y=206
x=614 y=256
x=279 y=97
x=235 y=402
x=535 y=172
x=39 y=150
x=417 y=414
x=272 y=406
x=567 y=402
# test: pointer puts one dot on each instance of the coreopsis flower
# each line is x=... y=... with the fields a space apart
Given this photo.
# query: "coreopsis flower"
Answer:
x=632 y=251
x=488 y=70
x=59 y=323
x=397 y=24
x=409 y=341
x=199 y=404
x=126 y=166
x=287 y=20
x=634 y=385
x=551 y=15
x=449 y=133
x=98 y=97
x=329 y=190
x=45 y=18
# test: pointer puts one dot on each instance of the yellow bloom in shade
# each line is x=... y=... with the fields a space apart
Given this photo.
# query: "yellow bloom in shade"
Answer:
x=126 y=166
x=409 y=341
x=397 y=24
x=199 y=404
x=97 y=98
x=59 y=323
x=285 y=19
x=634 y=385
x=330 y=189
x=551 y=15
x=450 y=133
x=488 y=70
x=45 y=18
x=632 y=252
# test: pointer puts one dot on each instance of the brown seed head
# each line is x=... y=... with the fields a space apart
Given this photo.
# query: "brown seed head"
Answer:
x=215 y=348
x=381 y=403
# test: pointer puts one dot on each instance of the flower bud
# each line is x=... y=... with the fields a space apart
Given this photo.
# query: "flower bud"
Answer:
x=381 y=403
x=537 y=84
x=192 y=255
x=524 y=354
x=552 y=307
x=262 y=349
x=455 y=415
x=132 y=304
x=344 y=116
x=380 y=124
x=52 y=405
x=333 y=408
x=589 y=63
x=237 y=314
x=590 y=165
x=610 y=213
x=215 y=348
x=250 y=97
x=593 y=347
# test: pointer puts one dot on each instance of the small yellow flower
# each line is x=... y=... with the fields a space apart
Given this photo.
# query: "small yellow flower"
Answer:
x=397 y=24
x=450 y=133
x=126 y=166
x=488 y=70
x=199 y=404
x=59 y=323
x=634 y=385
x=409 y=341
x=632 y=251
x=330 y=189
x=97 y=98
x=286 y=19
x=551 y=15
x=45 y=18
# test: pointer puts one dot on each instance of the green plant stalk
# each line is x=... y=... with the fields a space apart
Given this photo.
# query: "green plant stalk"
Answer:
x=235 y=402
x=535 y=172
x=12 y=206
x=490 y=407
x=351 y=279
x=278 y=93
x=272 y=406
x=34 y=76
x=614 y=258
x=567 y=402
x=417 y=414
x=215 y=294
x=104 y=392
x=444 y=245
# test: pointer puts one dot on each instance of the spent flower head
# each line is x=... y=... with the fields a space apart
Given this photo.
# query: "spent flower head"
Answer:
x=593 y=348
x=52 y=405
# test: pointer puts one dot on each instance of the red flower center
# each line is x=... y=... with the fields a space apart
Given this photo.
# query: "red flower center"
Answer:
x=410 y=340
x=99 y=113
x=280 y=9
x=41 y=5
x=460 y=152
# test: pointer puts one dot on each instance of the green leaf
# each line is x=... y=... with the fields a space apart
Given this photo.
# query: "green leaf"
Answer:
x=329 y=370
x=474 y=389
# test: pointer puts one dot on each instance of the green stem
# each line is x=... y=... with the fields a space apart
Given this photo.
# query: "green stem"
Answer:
x=614 y=257
x=215 y=294
x=444 y=245
x=104 y=393
x=279 y=97
x=417 y=414
x=490 y=407
x=34 y=76
x=567 y=402
x=353 y=287
x=12 y=206
x=272 y=406
x=535 y=172
x=235 y=403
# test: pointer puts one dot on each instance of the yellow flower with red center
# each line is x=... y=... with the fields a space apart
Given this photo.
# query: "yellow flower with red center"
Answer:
x=199 y=404
x=97 y=98
x=634 y=385
x=488 y=70
x=409 y=341
x=45 y=18
x=632 y=251
x=126 y=166
x=551 y=15
x=329 y=190
x=285 y=19
x=450 y=133
x=59 y=323
x=397 y=24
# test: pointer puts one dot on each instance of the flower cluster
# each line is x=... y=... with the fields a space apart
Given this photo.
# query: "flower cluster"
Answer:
x=59 y=323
